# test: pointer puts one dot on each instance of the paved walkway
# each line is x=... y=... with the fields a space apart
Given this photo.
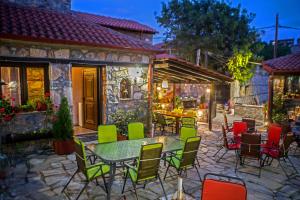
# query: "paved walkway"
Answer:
x=44 y=175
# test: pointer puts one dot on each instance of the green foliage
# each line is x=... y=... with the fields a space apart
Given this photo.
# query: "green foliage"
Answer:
x=62 y=126
x=207 y=24
x=122 y=118
x=279 y=112
x=239 y=67
x=7 y=111
x=178 y=102
x=202 y=99
x=266 y=52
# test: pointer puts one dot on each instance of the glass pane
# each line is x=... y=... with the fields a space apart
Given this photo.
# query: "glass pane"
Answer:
x=35 y=82
x=11 y=77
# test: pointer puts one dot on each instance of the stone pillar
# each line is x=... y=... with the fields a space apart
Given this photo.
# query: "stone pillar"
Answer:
x=60 y=82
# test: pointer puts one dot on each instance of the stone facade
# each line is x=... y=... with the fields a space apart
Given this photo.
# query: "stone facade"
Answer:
x=251 y=111
x=138 y=102
x=58 y=5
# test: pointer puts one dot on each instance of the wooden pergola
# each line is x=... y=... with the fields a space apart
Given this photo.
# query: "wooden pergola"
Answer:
x=282 y=66
x=178 y=71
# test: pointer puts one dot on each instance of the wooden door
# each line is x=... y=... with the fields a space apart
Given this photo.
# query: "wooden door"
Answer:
x=90 y=107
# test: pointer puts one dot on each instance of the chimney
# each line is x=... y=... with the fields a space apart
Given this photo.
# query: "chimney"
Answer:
x=58 y=5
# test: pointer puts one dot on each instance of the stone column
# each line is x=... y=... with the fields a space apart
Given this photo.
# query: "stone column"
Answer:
x=60 y=82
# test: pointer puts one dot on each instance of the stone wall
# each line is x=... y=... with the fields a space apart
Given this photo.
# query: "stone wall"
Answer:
x=139 y=91
x=250 y=111
x=26 y=122
x=59 y=5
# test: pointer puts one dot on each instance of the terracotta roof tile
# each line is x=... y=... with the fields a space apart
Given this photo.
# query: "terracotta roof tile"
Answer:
x=36 y=24
x=284 y=64
x=115 y=22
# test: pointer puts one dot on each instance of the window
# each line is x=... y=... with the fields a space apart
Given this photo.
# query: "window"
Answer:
x=125 y=89
x=23 y=82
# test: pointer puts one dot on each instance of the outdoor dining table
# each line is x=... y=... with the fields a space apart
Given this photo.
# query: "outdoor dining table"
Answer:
x=118 y=152
x=177 y=116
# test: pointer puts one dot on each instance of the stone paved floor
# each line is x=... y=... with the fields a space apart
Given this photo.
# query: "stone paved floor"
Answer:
x=48 y=173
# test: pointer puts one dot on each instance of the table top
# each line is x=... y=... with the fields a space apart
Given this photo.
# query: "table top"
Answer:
x=130 y=149
x=174 y=114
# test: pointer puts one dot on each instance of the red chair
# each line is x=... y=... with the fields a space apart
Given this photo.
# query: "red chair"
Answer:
x=214 y=188
x=280 y=153
x=238 y=129
x=232 y=146
x=274 y=134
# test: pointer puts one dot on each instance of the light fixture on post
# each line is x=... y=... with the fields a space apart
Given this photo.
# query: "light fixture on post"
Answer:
x=164 y=84
x=208 y=90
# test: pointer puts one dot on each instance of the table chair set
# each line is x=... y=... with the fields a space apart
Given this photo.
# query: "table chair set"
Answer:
x=139 y=157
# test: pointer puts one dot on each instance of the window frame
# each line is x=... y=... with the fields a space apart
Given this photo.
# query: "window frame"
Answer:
x=23 y=77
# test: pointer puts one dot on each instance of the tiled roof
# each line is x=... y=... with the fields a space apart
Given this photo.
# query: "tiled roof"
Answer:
x=284 y=64
x=36 y=24
x=111 y=22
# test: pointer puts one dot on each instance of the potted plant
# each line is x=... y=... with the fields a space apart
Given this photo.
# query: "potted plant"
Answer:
x=279 y=111
x=202 y=102
x=63 y=129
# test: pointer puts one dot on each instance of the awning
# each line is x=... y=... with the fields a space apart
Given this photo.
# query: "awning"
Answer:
x=175 y=70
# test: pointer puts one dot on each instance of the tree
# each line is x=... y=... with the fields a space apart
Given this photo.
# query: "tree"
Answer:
x=206 y=24
x=267 y=51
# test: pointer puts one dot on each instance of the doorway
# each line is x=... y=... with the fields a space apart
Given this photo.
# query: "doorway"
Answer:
x=85 y=83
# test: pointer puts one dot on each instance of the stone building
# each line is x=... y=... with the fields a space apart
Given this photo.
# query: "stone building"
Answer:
x=47 y=47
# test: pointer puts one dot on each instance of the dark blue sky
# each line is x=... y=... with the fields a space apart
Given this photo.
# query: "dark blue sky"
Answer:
x=144 y=12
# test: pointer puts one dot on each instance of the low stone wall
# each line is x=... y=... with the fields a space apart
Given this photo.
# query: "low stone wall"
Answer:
x=251 y=111
x=26 y=122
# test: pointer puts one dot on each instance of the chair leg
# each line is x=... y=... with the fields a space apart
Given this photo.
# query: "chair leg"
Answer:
x=86 y=184
x=134 y=187
x=69 y=181
x=167 y=171
x=198 y=173
x=292 y=164
x=218 y=151
x=236 y=163
x=162 y=186
x=104 y=181
x=283 y=169
x=222 y=155
x=125 y=181
x=260 y=166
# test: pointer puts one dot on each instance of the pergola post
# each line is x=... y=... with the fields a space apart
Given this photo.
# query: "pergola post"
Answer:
x=211 y=100
x=150 y=94
x=270 y=99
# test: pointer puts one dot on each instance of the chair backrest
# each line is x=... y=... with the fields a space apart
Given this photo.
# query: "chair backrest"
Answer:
x=190 y=151
x=161 y=119
x=107 y=133
x=149 y=161
x=80 y=155
x=188 y=122
x=135 y=131
x=213 y=188
x=250 y=123
x=186 y=132
x=250 y=145
x=226 y=121
x=225 y=142
x=274 y=133
x=285 y=146
x=239 y=127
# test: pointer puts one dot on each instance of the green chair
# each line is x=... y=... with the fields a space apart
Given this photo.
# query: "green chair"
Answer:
x=135 y=131
x=107 y=133
x=163 y=122
x=147 y=167
x=185 y=160
x=186 y=132
x=189 y=122
x=91 y=172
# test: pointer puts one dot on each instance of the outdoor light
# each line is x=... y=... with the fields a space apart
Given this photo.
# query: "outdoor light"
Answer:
x=158 y=88
x=208 y=90
x=163 y=106
x=200 y=113
x=164 y=84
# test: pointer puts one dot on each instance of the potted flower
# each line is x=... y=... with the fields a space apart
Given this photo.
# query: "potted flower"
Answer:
x=63 y=129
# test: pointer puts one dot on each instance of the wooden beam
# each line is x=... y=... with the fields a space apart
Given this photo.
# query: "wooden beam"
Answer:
x=211 y=101
x=150 y=97
x=270 y=99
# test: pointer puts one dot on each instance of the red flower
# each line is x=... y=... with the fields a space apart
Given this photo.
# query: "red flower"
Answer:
x=13 y=99
x=2 y=110
x=47 y=94
x=7 y=118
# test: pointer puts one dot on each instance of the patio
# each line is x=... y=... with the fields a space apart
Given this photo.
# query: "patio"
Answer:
x=46 y=173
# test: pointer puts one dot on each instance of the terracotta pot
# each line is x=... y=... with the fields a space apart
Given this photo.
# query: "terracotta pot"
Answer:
x=62 y=147
x=41 y=106
x=121 y=137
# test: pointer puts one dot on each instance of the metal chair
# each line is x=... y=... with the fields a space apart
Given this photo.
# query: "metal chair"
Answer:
x=228 y=126
x=107 y=133
x=250 y=124
x=218 y=188
x=250 y=148
x=280 y=153
x=135 y=131
x=187 y=159
x=232 y=146
x=274 y=134
x=147 y=167
x=163 y=122
x=91 y=172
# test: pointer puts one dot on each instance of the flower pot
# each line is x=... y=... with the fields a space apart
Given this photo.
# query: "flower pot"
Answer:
x=63 y=147
x=41 y=106
x=121 y=137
